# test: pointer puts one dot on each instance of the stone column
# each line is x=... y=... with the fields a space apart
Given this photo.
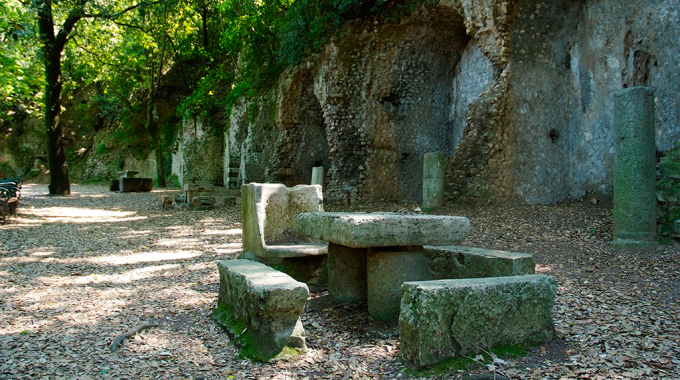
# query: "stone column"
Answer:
x=634 y=169
x=317 y=175
x=433 y=181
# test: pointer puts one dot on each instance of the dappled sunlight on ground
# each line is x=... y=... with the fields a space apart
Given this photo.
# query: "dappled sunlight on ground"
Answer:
x=77 y=271
x=234 y=231
x=146 y=257
x=79 y=215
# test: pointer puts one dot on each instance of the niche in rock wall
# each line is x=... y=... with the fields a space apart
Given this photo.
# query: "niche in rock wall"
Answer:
x=421 y=104
x=301 y=140
x=313 y=149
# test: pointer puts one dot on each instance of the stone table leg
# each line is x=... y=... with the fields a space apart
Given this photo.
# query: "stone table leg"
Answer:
x=387 y=269
x=346 y=273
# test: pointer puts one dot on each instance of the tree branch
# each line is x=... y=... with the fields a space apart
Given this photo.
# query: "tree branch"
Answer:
x=93 y=53
x=179 y=59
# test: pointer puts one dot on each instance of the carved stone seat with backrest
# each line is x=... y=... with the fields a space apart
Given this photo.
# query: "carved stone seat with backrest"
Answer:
x=269 y=236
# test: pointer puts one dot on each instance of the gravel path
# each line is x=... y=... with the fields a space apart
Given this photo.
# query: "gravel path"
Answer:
x=77 y=272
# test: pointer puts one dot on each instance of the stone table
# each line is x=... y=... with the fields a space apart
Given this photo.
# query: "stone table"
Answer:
x=371 y=254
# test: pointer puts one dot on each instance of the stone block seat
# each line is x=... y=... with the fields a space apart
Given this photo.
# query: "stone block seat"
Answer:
x=451 y=262
x=269 y=236
x=442 y=319
x=261 y=308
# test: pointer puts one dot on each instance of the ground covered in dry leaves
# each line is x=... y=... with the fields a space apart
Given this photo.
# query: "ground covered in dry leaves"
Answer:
x=77 y=272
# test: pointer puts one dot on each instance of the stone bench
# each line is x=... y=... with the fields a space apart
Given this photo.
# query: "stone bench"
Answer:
x=451 y=262
x=442 y=319
x=261 y=307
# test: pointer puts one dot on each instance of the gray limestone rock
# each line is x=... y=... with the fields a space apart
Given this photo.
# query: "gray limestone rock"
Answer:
x=260 y=306
x=387 y=269
x=441 y=319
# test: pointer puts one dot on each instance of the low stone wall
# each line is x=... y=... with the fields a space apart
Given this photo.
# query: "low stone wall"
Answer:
x=260 y=306
x=450 y=318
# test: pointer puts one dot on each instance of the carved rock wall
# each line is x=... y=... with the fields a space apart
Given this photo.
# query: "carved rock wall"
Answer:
x=518 y=93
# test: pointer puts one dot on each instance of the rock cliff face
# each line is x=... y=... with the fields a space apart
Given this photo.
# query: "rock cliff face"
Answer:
x=518 y=93
x=198 y=154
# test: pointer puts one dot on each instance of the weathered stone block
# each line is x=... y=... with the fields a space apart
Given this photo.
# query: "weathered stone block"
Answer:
x=260 y=306
x=386 y=270
x=634 y=169
x=383 y=229
x=127 y=184
x=347 y=274
x=202 y=203
x=441 y=319
x=451 y=262
x=434 y=170
x=166 y=202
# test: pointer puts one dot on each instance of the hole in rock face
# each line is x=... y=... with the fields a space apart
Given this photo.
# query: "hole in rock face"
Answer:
x=554 y=134
x=461 y=259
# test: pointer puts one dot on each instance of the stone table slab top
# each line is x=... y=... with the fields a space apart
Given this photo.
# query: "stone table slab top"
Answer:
x=363 y=230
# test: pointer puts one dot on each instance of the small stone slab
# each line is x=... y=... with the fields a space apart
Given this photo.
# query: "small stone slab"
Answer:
x=127 y=185
x=260 y=306
x=362 y=230
x=443 y=319
x=450 y=262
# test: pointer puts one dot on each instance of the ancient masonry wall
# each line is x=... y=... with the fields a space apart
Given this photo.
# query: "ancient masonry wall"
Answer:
x=198 y=155
x=518 y=93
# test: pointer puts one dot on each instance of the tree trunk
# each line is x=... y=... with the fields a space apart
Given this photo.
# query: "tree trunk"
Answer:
x=160 y=162
x=52 y=47
x=59 y=179
x=154 y=132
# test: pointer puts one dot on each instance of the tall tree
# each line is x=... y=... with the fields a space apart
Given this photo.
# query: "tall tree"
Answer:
x=53 y=45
